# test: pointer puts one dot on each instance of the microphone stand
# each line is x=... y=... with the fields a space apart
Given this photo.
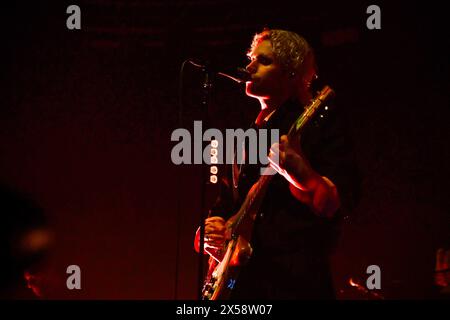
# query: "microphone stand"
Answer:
x=209 y=72
x=206 y=100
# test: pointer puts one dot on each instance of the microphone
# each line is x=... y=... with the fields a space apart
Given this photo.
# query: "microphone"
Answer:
x=242 y=74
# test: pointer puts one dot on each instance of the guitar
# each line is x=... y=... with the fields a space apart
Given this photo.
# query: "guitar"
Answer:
x=226 y=262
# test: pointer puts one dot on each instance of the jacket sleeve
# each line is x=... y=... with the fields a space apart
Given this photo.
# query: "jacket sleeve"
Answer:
x=331 y=155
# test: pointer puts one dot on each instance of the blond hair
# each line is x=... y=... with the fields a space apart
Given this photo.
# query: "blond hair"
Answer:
x=291 y=50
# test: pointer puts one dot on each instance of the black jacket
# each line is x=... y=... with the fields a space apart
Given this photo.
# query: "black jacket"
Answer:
x=292 y=244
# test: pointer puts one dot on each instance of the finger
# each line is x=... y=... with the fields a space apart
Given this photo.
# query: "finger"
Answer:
x=274 y=152
x=284 y=141
x=275 y=148
x=215 y=223
x=282 y=159
x=210 y=231
x=215 y=219
x=215 y=247
x=214 y=236
x=214 y=228
x=274 y=163
x=215 y=242
x=277 y=155
x=277 y=163
x=218 y=242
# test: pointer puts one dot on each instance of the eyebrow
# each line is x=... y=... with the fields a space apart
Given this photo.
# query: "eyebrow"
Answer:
x=260 y=55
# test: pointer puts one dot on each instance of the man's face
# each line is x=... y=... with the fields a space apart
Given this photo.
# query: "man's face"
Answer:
x=268 y=78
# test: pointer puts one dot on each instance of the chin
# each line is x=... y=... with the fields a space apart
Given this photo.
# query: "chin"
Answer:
x=251 y=91
x=248 y=92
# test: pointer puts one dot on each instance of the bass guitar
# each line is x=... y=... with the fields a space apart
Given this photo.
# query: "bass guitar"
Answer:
x=226 y=262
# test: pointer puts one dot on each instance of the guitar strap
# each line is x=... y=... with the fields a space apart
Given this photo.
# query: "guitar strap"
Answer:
x=237 y=168
x=235 y=176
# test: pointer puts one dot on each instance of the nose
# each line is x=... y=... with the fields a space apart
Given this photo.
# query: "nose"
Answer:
x=251 y=67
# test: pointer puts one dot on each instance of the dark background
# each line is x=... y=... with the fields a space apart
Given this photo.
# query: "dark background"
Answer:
x=87 y=116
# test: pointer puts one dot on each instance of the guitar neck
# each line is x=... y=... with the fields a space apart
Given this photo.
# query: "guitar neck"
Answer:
x=250 y=205
x=325 y=94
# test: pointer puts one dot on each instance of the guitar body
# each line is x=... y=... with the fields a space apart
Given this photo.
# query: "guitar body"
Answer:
x=222 y=276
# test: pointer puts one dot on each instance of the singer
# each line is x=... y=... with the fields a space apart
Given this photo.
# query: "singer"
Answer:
x=297 y=224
